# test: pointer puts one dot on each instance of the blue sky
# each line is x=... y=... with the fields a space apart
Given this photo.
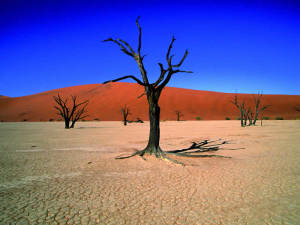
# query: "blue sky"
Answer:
x=234 y=46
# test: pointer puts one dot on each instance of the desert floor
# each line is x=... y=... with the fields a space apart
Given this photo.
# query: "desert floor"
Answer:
x=50 y=175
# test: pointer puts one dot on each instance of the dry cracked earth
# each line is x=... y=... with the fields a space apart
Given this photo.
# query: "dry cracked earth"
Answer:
x=49 y=175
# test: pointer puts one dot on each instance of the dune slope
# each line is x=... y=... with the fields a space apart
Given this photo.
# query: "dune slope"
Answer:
x=107 y=100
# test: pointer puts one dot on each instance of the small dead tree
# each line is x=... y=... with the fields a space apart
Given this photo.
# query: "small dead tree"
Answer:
x=248 y=117
x=247 y=113
x=152 y=91
x=258 y=108
x=70 y=112
x=262 y=110
x=241 y=108
x=125 y=112
x=178 y=114
x=79 y=115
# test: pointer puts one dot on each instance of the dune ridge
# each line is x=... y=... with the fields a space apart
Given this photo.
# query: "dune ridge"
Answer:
x=106 y=100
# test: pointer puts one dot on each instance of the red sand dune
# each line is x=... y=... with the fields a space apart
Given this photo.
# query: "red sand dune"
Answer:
x=105 y=102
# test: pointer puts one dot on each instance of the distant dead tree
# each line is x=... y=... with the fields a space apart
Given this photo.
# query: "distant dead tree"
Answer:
x=70 y=112
x=262 y=110
x=241 y=108
x=258 y=108
x=178 y=114
x=249 y=117
x=125 y=112
x=247 y=114
x=153 y=92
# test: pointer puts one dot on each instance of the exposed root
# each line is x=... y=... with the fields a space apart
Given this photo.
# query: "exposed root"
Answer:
x=140 y=153
x=166 y=158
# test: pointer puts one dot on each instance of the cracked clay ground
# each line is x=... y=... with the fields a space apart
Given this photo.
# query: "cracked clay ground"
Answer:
x=49 y=175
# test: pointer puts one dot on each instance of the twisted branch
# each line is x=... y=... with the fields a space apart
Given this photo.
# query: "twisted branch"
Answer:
x=126 y=77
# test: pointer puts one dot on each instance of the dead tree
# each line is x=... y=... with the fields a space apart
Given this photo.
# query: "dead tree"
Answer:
x=152 y=90
x=79 y=115
x=258 y=109
x=248 y=117
x=257 y=99
x=247 y=113
x=178 y=114
x=125 y=112
x=262 y=113
x=241 y=108
x=70 y=112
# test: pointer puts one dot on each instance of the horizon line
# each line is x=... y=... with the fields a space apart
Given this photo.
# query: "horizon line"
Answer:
x=247 y=93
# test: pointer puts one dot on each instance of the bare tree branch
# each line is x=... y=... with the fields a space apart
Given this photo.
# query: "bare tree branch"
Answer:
x=168 y=52
x=170 y=47
x=78 y=115
x=125 y=77
x=62 y=104
x=60 y=111
x=140 y=35
x=128 y=46
x=169 y=75
x=140 y=63
x=183 y=58
x=70 y=113
x=170 y=70
x=182 y=71
x=162 y=75
x=241 y=108
x=137 y=56
x=167 y=79
x=122 y=46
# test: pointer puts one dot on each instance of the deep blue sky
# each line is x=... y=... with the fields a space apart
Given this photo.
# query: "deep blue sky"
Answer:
x=235 y=46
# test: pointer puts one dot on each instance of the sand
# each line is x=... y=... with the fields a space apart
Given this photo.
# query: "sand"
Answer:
x=106 y=101
x=50 y=175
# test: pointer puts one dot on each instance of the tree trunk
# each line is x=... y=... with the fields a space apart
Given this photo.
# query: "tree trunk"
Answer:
x=154 y=135
x=125 y=120
x=261 y=119
x=242 y=118
x=250 y=117
x=67 y=123
x=245 y=118
x=73 y=124
x=255 y=117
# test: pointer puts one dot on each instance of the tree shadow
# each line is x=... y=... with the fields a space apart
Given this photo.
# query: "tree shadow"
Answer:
x=194 y=151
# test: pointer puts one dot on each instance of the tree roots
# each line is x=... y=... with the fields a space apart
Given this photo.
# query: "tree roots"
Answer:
x=194 y=151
